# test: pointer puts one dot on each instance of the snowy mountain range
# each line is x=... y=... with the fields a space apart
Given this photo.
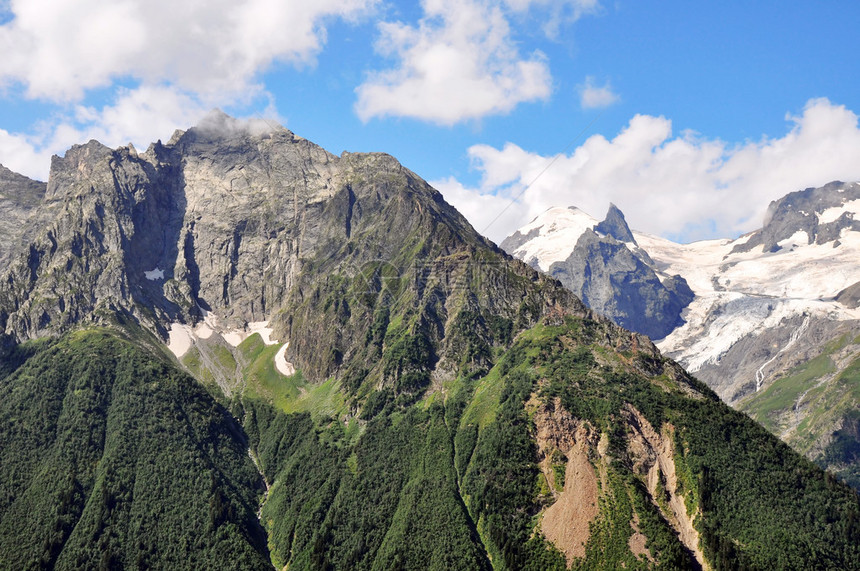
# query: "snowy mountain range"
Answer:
x=764 y=305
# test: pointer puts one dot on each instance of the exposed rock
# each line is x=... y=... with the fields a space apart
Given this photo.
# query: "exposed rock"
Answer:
x=247 y=222
x=653 y=455
x=612 y=280
x=850 y=296
x=566 y=522
x=517 y=239
x=801 y=212
x=616 y=226
x=20 y=201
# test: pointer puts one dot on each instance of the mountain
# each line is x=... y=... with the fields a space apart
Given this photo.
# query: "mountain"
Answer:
x=602 y=263
x=22 y=204
x=773 y=323
x=238 y=347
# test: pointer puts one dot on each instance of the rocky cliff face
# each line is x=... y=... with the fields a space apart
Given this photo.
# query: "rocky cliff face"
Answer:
x=608 y=270
x=818 y=215
x=21 y=199
x=237 y=225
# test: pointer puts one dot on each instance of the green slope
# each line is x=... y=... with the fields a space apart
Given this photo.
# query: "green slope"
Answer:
x=815 y=408
x=114 y=459
x=446 y=485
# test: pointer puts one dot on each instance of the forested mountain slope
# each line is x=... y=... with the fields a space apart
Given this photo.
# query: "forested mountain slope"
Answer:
x=113 y=458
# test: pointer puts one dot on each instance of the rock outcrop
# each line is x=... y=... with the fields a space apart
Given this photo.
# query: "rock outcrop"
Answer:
x=612 y=275
x=21 y=199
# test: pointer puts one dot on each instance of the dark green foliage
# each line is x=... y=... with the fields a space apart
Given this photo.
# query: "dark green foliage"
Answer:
x=408 y=362
x=113 y=459
x=389 y=501
x=501 y=480
x=376 y=333
x=842 y=455
x=764 y=505
x=376 y=402
x=469 y=335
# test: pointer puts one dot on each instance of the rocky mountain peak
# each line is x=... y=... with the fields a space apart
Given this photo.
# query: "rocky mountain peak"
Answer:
x=810 y=216
x=616 y=226
x=235 y=226
x=603 y=265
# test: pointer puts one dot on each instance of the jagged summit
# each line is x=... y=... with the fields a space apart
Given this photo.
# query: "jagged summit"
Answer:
x=229 y=223
x=809 y=216
x=602 y=264
x=616 y=226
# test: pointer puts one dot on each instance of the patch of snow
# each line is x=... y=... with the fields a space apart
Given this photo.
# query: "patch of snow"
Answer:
x=156 y=274
x=281 y=364
x=747 y=292
x=799 y=238
x=833 y=214
x=262 y=327
x=559 y=228
x=234 y=337
x=203 y=331
x=180 y=339
x=743 y=239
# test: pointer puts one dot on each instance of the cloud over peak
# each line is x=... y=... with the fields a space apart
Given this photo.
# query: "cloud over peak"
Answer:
x=686 y=187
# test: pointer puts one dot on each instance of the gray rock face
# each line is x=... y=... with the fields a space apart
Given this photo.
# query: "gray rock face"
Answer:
x=613 y=281
x=801 y=212
x=517 y=239
x=613 y=275
x=615 y=225
x=243 y=225
x=20 y=199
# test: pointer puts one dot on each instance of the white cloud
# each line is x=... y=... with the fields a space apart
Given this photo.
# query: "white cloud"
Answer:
x=592 y=96
x=557 y=12
x=24 y=156
x=459 y=63
x=182 y=57
x=59 y=49
x=139 y=116
x=684 y=186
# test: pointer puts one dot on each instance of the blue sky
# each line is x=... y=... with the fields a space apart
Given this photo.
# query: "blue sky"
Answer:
x=691 y=117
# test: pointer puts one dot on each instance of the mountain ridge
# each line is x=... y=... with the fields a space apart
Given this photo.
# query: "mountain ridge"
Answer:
x=767 y=303
x=444 y=406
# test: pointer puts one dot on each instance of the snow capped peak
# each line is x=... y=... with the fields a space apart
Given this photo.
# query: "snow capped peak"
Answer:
x=550 y=237
x=560 y=217
x=796 y=264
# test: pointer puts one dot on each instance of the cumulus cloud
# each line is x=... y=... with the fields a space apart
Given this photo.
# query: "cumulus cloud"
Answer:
x=686 y=187
x=59 y=50
x=180 y=59
x=458 y=63
x=593 y=96
x=23 y=155
x=138 y=116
